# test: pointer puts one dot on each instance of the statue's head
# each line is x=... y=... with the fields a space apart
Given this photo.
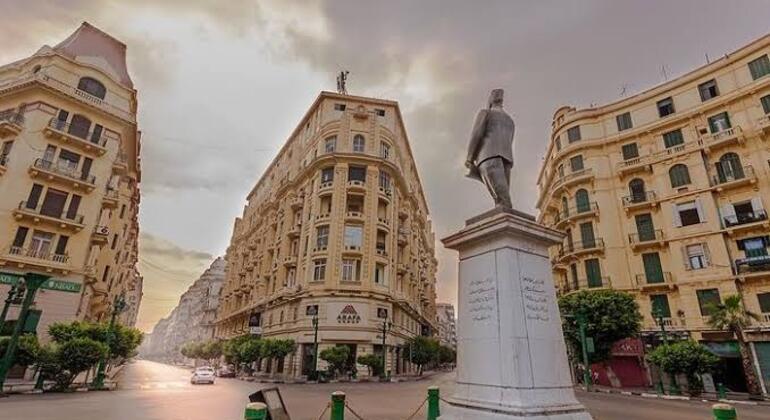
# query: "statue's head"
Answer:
x=496 y=98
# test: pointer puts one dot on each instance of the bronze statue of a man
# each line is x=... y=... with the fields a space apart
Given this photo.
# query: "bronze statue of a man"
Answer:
x=490 y=152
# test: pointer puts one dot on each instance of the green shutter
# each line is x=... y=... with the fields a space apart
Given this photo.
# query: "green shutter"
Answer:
x=587 y=235
x=593 y=272
x=660 y=305
x=765 y=103
x=645 y=227
x=759 y=67
x=582 y=202
x=576 y=163
x=673 y=138
x=652 y=268
x=706 y=297
x=33 y=318
x=630 y=151
x=764 y=302
x=763 y=357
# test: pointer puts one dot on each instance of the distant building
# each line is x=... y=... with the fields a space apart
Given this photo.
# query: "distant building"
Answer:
x=69 y=176
x=337 y=227
x=447 y=324
x=192 y=320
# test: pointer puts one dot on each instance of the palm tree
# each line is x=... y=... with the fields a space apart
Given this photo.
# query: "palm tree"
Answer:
x=732 y=316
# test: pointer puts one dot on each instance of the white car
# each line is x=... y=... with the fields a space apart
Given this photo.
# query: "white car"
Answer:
x=203 y=375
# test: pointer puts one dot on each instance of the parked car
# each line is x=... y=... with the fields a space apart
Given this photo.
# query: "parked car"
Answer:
x=226 y=372
x=203 y=375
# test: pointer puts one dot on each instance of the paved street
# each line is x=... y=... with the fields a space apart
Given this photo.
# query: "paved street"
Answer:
x=153 y=391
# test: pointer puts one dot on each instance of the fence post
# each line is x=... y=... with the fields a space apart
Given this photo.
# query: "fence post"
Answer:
x=338 y=405
x=433 y=399
x=724 y=412
x=255 y=411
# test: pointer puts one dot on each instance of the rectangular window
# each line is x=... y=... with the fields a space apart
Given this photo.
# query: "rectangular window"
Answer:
x=357 y=173
x=61 y=245
x=708 y=90
x=593 y=272
x=114 y=241
x=558 y=143
x=379 y=274
x=354 y=236
x=384 y=150
x=645 y=227
x=754 y=247
x=322 y=237
x=624 y=121
x=696 y=256
x=765 y=100
x=587 y=235
x=630 y=151
x=21 y=236
x=40 y=245
x=759 y=67
x=34 y=196
x=385 y=180
x=673 y=138
x=719 y=122
x=707 y=298
x=666 y=107
x=576 y=163
x=573 y=134
x=72 y=210
x=351 y=269
x=764 y=302
x=319 y=270
x=339 y=107
x=327 y=175
x=96 y=134
x=330 y=144
x=653 y=271
x=379 y=112
x=660 y=307
x=5 y=150
x=53 y=204
x=688 y=214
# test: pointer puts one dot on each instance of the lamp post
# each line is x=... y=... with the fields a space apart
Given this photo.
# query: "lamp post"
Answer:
x=386 y=326
x=32 y=282
x=117 y=307
x=315 y=345
x=582 y=324
x=657 y=314
x=15 y=296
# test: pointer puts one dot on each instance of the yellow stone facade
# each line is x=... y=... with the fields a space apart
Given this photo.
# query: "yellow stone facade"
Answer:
x=69 y=176
x=337 y=225
x=664 y=194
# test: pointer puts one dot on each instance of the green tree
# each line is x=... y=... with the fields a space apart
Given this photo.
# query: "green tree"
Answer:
x=250 y=351
x=424 y=350
x=125 y=340
x=685 y=357
x=611 y=315
x=372 y=362
x=337 y=358
x=63 y=362
x=277 y=349
x=211 y=351
x=27 y=349
x=732 y=316
x=446 y=355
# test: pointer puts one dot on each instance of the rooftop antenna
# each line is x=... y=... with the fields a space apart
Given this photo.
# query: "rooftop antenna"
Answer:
x=708 y=60
x=623 y=90
x=664 y=71
x=342 y=79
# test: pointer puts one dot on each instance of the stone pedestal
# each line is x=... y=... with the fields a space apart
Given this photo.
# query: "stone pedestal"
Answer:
x=511 y=356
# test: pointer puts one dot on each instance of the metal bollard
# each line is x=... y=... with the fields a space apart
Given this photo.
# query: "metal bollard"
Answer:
x=255 y=411
x=338 y=406
x=433 y=400
x=721 y=392
x=724 y=412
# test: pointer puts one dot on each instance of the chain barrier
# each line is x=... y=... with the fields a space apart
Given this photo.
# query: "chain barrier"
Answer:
x=347 y=405
x=418 y=409
x=325 y=410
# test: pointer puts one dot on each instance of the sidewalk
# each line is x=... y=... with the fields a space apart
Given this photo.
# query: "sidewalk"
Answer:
x=282 y=380
x=732 y=397
x=22 y=386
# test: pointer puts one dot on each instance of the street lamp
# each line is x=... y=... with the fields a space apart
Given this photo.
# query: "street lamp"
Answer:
x=117 y=307
x=315 y=344
x=657 y=314
x=582 y=322
x=386 y=326
x=15 y=296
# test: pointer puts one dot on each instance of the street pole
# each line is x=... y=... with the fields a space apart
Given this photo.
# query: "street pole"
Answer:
x=117 y=308
x=315 y=346
x=11 y=297
x=33 y=282
x=674 y=386
x=581 y=319
x=384 y=331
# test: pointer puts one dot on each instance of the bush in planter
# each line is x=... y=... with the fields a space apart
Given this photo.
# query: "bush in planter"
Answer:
x=372 y=362
x=685 y=357
x=337 y=358
x=27 y=349
x=63 y=362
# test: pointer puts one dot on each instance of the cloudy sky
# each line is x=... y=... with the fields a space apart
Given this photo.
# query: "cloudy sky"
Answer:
x=222 y=84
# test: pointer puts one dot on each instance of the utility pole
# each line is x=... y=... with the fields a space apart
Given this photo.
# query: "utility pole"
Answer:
x=32 y=282
x=581 y=320
x=117 y=307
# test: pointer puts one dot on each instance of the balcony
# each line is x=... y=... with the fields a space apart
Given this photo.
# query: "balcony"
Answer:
x=572 y=178
x=290 y=261
x=11 y=123
x=722 y=138
x=381 y=250
x=38 y=215
x=385 y=192
x=326 y=186
x=76 y=136
x=110 y=198
x=3 y=163
x=734 y=178
x=352 y=250
x=586 y=284
x=758 y=266
x=573 y=214
x=120 y=164
x=581 y=248
x=383 y=223
x=764 y=123
x=746 y=221
x=323 y=217
x=294 y=231
x=637 y=164
x=47 y=261
x=354 y=215
x=356 y=185
x=62 y=174
x=640 y=201
x=101 y=234
x=655 y=282
x=651 y=239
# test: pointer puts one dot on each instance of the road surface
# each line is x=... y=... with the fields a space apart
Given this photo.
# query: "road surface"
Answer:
x=154 y=391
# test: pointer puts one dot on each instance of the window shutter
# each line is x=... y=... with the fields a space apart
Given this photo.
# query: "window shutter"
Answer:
x=706 y=254
x=756 y=204
x=676 y=218
x=686 y=258
x=728 y=211
x=701 y=212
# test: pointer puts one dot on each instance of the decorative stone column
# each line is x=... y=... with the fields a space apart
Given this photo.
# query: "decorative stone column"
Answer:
x=511 y=356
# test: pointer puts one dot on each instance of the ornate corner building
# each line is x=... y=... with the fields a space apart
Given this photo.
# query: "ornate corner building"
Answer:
x=337 y=228
x=69 y=176
x=664 y=194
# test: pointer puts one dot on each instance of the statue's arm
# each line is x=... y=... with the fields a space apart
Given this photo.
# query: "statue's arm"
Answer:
x=477 y=133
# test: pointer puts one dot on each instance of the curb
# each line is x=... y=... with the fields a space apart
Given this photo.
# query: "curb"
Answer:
x=292 y=381
x=675 y=397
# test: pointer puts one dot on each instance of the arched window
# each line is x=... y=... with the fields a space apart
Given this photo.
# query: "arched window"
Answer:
x=636 y=189
x=581 y=201
x=92 y=86
x=729 y=167
x=358 y=143
x=679 y=175
x=79 y=126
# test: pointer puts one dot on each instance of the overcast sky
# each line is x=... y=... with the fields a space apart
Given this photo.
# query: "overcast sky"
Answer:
x=223 y=83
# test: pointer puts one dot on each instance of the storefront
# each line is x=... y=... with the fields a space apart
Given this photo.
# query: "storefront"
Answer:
x=729 y=370
x=625 y=368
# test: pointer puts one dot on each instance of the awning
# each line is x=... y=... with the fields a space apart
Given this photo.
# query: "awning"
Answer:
x=725 y=349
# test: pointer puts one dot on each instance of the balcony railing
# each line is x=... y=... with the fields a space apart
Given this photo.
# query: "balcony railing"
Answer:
x=745 y=218
x=64 y=171
x=38 y=210
x=646 y=236
x=584 y=209
x=657 y=279
x=580 y=246
x=641 y=198
x=724 y=176
x=12 y=116
x=713 y=139
x=753 y=264
x=38 y=254
x=583 y=284
x=82 y=132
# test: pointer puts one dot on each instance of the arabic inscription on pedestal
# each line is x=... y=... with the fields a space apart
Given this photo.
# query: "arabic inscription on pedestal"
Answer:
x=482 y=300
x=535 y=299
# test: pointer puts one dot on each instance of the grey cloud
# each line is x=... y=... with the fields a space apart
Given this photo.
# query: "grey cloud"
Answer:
x=158 y=247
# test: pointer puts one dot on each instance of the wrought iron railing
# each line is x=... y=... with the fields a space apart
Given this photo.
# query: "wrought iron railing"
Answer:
x=646 y=236
x=77 y=218
x=68 y=172
x=744 y=218
x=639 y=198
x=80 y=131
x=38 y=254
